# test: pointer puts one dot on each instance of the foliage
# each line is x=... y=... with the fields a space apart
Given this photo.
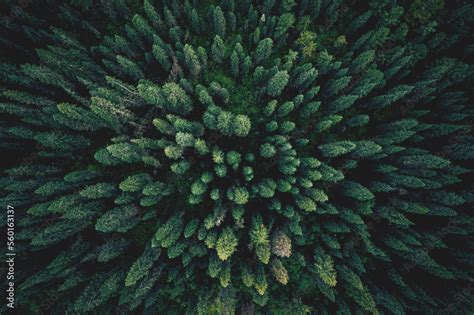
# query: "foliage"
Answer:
x=217 y=157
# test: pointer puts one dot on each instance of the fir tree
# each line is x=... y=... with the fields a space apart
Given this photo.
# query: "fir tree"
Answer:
x=226 y=244
x=218 y=49
x=218 y=21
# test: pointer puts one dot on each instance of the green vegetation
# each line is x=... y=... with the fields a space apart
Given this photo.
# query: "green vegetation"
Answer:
x=239 y=157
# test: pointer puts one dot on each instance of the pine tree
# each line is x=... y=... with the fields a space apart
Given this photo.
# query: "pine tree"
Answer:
x=120 y=219
x=263 y=50
x=192 y=60
x=259 y=239
x=324 y=267
x=357 y=191
x=277 y=83
x=218 y=21
x=141 y=267
x=241 y=125
x=170 y=96
x=279 y=271
x=336 y=148
x=226 y=244
x=218 y=49
x=234 y=64
x=135 y=182
x=307 y=42
x=261 y=283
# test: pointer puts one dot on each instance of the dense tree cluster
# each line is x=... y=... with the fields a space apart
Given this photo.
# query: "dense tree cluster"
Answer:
x=253 y=157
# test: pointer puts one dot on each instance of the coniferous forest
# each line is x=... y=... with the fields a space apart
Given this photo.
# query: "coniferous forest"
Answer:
x=238 y=156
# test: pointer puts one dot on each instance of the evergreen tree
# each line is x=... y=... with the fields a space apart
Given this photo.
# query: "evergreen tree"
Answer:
x=277 y=83
x=218 y=21
x=226 y=244
x=192 y=60
x=263 y=50
x=281 y=244
x=218 y=49
x=259 y=239
x=336 y=148
x=279 y=271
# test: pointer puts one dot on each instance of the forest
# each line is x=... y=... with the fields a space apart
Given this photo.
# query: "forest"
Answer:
x=208 y=157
